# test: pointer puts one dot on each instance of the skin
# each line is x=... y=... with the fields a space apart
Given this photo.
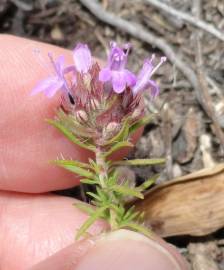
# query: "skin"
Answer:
x=37 y=228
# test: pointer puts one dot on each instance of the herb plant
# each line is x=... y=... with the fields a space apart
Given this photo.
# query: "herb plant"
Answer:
x=100 y=110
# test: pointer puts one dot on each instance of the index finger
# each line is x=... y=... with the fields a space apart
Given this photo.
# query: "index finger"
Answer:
x=27 y=142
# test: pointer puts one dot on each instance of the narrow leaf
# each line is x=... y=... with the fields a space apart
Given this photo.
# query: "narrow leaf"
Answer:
x=68 y=121
x=93 y=195
x=127 y=191
x=148 y=183
x=73 y=163
x=85 y=207
x=72 y=166
x=88 y=181
x=97 y=214
x=70 y=135
x=141 y=123
x=140 y=162
x=118 y=146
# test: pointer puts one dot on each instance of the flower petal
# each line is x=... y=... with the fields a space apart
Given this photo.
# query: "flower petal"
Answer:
x=118 y=82
x=48 y=86
x=117 y=58
x=154 y=88
x=82 y=58
x=53 y=88
x=146 y=69
x=59 y=64
x=105 y=75
x=129 y=77
x=42 y=85
x=143 y=77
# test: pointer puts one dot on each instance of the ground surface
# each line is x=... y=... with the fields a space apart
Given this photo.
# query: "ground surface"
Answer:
x=188 y=130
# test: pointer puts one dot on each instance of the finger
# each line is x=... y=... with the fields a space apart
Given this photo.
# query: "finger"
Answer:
x=118 y=250
x=27 y=142
x=33 y=227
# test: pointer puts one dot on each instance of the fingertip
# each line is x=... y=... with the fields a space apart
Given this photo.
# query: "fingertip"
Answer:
x=121 y=249
x=26 y=140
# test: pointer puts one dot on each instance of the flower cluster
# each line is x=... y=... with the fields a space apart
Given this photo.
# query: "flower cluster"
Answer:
x=99 y=99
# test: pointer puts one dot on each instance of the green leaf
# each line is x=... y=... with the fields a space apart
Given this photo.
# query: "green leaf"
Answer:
x=69 y=122
x=93 y=195
x=96 y=215
x=88 y=181
x=141 y=123
x=131 y=216
x=103 y=194
x=127 y=191
x=118 y=146
x=70 y=135
x=73 y=163
x=148 y=183
x=94 y=166
x=73 y=166
x=140 y=162
x=85 y=207
x=112 y=180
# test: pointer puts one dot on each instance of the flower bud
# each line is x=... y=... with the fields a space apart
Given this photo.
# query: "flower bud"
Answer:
x=137 y=113
x=87 y=81
x=94 y=104
x=81 y=116
x=111 y=130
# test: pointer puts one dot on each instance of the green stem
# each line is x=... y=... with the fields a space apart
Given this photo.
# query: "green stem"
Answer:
x=103 y=177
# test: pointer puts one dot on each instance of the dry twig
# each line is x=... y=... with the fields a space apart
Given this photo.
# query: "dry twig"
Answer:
x=187 y=18
x=137 y=31
x=23 y=5
x=167 y=135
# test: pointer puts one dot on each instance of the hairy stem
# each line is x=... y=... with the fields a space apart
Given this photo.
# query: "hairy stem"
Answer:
x=103 y=177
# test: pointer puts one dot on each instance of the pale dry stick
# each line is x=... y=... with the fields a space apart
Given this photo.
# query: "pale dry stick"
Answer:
x=187 y=18
x=23 y=5
x=206 y=98
x=137 y=31
x=167 y=135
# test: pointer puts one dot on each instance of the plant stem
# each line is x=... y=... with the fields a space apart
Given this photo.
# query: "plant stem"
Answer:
x=102 y=167
x=103 y=178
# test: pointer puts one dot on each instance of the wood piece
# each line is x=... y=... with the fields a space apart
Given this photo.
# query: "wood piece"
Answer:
x=189 y=205
x=203 y=256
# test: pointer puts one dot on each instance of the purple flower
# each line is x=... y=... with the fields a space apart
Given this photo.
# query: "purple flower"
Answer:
x=54 y=82
x=82 y=58
x=143 y=78
x=115 y=72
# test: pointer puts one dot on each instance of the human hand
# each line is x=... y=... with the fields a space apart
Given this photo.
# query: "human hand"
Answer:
x=37 y=229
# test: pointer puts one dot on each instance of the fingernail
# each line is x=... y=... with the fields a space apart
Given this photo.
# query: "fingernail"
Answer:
x=124 y=249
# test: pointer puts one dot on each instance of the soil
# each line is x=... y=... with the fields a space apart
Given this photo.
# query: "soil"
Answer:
x=184 y=130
